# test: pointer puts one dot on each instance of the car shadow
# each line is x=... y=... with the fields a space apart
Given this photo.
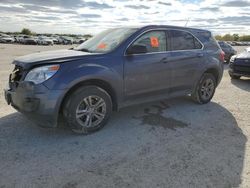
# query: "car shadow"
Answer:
x=242 y=83
x=173 y=143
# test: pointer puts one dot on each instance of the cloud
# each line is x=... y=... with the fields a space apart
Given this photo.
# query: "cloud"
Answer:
x=236 y=3
x=12 y=9
x=90 y=15
x=137 y=6
x=47 y=9
x=212 y=9
x=236 y=19
x=81 y=16
x=164 y=3
x=47 y=17
x=96 y=5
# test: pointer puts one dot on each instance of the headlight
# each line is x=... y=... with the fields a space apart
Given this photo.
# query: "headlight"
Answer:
x=232 y=58
x=41 y=74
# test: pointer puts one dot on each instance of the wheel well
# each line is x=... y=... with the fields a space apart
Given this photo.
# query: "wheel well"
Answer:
x=99 y=83
x=214 y=72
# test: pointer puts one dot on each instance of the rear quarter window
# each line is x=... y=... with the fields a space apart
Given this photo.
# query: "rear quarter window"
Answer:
x=182 y=40
x=207 y=39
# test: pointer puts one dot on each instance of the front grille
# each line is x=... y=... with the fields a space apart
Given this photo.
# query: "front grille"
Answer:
x=15 y=77
x=243 y=69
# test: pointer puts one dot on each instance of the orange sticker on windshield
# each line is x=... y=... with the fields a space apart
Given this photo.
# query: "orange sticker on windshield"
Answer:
x=102 y=46
x=154 y=42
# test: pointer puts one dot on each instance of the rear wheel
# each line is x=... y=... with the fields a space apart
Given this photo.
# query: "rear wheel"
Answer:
x=205 y=89
x=88 y=109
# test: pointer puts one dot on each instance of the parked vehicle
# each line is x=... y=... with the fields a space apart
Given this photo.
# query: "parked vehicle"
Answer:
x=114 y=69
x=240 y=65
x=228 y=50
x=79 y=40
x=29 y=40
x=6 y=38
x=44 y=40
x=20 y=38
x=67 y=40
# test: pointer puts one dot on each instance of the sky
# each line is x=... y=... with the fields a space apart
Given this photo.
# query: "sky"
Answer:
x=93 y=16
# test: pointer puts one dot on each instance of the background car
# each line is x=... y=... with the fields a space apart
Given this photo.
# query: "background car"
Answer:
x=240 y=65
x=228 y=50
x=44 y=40
x=6 y=38
x=67 y=40
x=30 y=40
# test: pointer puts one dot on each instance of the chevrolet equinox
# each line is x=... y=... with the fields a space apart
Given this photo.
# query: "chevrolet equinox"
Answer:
x=114 y=69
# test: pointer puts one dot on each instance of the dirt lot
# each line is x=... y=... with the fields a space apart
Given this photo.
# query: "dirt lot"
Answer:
x=174 y=143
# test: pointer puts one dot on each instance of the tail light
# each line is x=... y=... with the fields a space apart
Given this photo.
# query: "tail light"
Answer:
x=222 y=56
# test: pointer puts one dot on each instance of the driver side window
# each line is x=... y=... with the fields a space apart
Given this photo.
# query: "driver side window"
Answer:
x=154 y=41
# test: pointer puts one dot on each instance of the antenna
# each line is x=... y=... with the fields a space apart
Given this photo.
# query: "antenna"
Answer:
x=187 y=22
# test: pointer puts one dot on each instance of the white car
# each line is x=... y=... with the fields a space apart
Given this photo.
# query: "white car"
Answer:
x=43 y=40
x=6 y=38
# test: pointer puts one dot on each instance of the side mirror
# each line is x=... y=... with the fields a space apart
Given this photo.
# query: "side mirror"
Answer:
x=137 y=49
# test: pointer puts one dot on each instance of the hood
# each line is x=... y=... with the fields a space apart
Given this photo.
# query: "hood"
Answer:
x=244 y=55
x=57 y=56
x=242 y=59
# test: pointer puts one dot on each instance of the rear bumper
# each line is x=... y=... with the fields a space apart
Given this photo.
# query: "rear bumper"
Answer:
x=36 y=102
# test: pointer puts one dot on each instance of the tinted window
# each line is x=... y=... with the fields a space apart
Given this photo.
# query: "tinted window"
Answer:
x=182 y=40
x=154 y=41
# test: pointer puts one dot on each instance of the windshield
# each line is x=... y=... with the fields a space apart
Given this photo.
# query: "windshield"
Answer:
x=106 y=40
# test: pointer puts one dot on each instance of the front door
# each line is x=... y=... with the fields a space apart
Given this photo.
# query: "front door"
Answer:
x=148 y=73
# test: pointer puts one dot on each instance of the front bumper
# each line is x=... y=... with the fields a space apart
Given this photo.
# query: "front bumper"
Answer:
x=37 y=102
x=237 y=70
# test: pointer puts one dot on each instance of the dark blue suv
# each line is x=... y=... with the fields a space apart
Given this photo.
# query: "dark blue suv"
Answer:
x=114 y=69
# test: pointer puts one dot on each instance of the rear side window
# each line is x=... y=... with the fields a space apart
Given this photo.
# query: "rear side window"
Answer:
x=154 y=41
x=181 y=40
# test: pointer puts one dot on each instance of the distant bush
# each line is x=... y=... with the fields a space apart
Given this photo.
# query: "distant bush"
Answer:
x=26 y=31
x=234 y=37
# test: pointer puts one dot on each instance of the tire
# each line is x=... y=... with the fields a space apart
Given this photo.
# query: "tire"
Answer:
x=87 y=109
x=205 y=89
x=234 y=77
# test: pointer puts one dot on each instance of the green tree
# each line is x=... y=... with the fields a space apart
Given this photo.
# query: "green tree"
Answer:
x=227 y=37
x=245 y=38
x=218 y=37
x=236 y=37
x=87 y=36
x=26 y=31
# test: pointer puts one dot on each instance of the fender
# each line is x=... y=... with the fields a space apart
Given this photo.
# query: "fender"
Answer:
x=73 y=75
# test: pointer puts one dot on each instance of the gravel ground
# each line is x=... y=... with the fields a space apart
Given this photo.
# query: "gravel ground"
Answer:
x=174 y=143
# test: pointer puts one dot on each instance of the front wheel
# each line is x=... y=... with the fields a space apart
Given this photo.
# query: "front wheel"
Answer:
x=205 y=89
x=88 y=109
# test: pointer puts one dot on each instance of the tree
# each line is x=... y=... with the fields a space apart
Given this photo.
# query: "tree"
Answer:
x=218 y=37
x=245 y=38
x=227 y=37
x=236 y=37
x=26 y=31
x=87 y=36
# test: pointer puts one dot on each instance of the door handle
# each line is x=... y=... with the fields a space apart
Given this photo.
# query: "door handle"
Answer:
x=164 y=60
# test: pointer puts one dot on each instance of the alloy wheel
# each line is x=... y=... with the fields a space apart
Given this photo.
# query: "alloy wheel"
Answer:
x=91 y=111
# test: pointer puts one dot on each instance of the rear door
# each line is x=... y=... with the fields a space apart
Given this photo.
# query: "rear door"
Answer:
x=148 y=73
x=186 y=58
